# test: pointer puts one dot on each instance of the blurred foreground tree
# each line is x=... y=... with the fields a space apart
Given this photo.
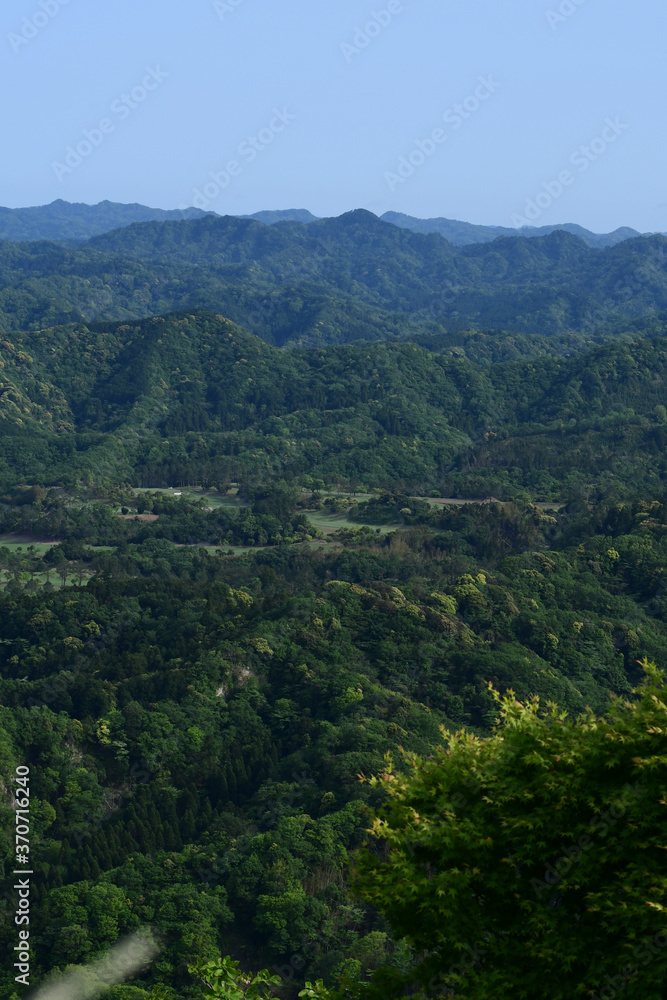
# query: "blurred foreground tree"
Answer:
x=533 y=863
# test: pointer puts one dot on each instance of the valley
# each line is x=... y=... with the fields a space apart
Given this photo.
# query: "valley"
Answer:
x=277 y=500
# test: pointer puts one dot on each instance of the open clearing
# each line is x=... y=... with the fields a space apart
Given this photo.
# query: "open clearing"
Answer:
x=14 y=542
x=330 y=523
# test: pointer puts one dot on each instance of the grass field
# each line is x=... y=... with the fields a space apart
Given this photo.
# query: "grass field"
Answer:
x=330 y=523
x=14 y=542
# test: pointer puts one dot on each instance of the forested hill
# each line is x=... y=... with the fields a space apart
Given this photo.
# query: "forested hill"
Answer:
x=194 y=398
x=270 y=218
x=336 y=280
x=235 y=575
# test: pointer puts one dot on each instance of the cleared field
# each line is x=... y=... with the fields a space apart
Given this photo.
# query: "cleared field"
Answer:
x=330 y=523
x=237 y=550
x=14 y=542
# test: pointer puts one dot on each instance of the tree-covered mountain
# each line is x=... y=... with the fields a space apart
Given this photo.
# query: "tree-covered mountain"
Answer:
x=63 y=220
x=46 y=284
x=196 y=678
x=192 y=398
x=336 y=280
x=548 y=285
x=465 y=233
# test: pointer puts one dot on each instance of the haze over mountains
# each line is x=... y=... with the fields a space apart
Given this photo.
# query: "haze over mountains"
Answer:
x=207 y=302
x=63 y=220
x=338 y=280
x=464 y=233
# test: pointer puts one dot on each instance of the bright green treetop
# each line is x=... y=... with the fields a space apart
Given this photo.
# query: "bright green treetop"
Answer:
x=223 y=978
x=532 y=864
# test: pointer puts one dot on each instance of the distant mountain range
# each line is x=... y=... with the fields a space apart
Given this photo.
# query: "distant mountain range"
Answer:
x=339 y=280
x=64 y=221
x=465 y=233
x=284 y=215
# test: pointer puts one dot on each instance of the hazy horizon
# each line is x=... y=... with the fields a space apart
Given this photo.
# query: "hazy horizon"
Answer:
x=461 y=111
x=294 y=208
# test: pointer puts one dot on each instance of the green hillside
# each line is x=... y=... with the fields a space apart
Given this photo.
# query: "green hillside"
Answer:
x=337 y=281
x=192 y=398
x=195 y=724
x=275 y=502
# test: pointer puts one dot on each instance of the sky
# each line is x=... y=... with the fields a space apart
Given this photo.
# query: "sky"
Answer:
x=500 y=113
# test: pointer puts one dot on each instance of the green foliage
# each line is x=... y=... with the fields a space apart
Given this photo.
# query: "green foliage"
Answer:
x=195 y=723
x=223 y=978
x=316 y=991
x=531 y=863
x=193 y=399
x=336 y=280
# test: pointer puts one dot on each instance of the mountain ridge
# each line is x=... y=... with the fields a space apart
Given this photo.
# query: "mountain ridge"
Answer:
x=338 y=280
x=62 y=220
x=465 y=233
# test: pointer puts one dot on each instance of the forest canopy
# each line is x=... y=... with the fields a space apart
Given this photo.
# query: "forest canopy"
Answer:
x=279 y=505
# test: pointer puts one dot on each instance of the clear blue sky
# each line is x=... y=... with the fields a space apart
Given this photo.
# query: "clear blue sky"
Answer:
x=350 y=110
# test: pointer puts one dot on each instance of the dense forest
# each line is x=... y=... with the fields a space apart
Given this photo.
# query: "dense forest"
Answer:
x=335 y=280
x=248 y=548
x=192 y=399
x=195 y=722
